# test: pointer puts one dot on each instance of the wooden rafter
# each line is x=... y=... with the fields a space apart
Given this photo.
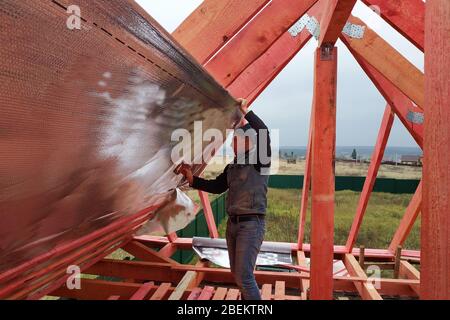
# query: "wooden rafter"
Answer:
x=399 y=102
x=333 y=20
x=407 y=17
x=213 y=23
x=257 y=36
x=366 y=289
x=375 y=162
x=388 y=61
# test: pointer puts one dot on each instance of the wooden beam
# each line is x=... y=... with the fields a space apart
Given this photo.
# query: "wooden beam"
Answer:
x=407 y=17
x=213 y=23
x=407 y=222
x=306 y=187
x=435 y=229
x=266 y=291
x=209 y=216
x=407 y=271
x=304 y=282
x=257 y=36
x=334 y=19
x=220 y=293
x=142 y=252
x=366 y=289
x=399 y=102
x=279 y=290
x=322 y=181
x=388 y=61
x=161 y=292
x=375 y=162
x=143 y=291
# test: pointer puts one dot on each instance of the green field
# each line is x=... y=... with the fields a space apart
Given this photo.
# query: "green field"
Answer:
x=382 y=218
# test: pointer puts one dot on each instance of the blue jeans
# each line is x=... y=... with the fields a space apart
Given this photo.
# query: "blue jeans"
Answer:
x=244 y=240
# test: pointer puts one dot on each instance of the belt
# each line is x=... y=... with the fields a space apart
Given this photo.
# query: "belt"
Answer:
x=247 y=217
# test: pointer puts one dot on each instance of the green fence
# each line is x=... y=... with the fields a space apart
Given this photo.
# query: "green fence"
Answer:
x=199 y=228
x=348 y=183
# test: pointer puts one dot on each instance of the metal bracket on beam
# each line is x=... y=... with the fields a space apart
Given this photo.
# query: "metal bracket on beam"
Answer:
x=354 y=30
x=415 y=117
x=299 y=26
x=326 y=52
x=313 y=27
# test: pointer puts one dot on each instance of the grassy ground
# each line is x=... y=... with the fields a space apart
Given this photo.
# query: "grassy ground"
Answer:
x=382 y=218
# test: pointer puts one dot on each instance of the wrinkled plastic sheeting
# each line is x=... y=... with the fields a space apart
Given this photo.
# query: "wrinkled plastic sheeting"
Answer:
x=175 y=215
x=86 y=119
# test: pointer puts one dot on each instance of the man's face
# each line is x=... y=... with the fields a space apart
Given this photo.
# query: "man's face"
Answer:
x=241 y=144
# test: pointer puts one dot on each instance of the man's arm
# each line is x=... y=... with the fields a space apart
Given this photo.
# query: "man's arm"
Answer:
x=217 y=186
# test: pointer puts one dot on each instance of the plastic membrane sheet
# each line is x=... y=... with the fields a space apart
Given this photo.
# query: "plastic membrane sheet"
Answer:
x=87 y=117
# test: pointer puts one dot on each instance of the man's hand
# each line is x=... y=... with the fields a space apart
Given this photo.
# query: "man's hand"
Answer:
x=243 y=105
x=186 y=171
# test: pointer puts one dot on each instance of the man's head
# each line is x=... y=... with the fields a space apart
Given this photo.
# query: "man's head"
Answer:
x=244 y=139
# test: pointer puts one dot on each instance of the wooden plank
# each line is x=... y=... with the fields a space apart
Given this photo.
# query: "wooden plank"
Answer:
x=206 y=293
x=194 y=294
x=113 y=297
x=407 y=271
x=435 y=228
x=266 y=291
x=306 y=187
x=398 y=256
x=161 y=292
x=366 y=290
x=233 y=294
x=399 y=102
x=334 y=19
x=183 y=285
x=301 y=258
x=142 y=252
x=209 y=216
x=143 y=291
x=407 y=222
x=213 y=23
x=407 y=17
x=279 y=290
x=388 y=61
x=375 y=162
x=257 y=36
x=220 y=293
x=322 y=181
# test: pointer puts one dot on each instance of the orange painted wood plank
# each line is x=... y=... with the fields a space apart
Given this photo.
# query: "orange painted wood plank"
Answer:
x=257 y=36
x=322 y=180
x=213 y=23
x=266 y=291
x=306 y=188
x=407 y=222
x=366 y=290
x=161 y=292
x=407 y=271
x=207 y=293
x=435 y=218
x=279 y=290
x=334 y=19
x=195 y=293
x=143 y=291
x=389 y=62
x=233 y=294
x=220 y=293
x=209 y=216
x=113 y=297
x=301 y=258
x=142 y=252
x=407 y=17
x=375 y=162
x=399 y=102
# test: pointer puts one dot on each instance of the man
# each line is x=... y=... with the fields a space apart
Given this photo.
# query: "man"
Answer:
x=246 y=179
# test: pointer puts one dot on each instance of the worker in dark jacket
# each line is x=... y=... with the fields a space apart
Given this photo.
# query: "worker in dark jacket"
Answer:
x=246 y=179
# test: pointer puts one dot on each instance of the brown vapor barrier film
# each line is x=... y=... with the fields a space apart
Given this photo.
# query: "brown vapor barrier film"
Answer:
x=86 y=119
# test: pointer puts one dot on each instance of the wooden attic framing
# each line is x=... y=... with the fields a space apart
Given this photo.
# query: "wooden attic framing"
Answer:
x=266 y=35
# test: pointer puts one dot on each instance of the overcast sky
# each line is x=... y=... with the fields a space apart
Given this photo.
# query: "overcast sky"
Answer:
x=286 y=103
